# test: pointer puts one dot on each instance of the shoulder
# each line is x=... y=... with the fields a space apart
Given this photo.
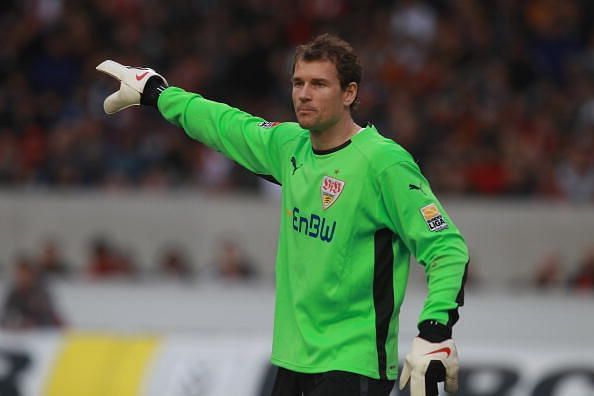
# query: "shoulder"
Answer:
x=284 y=132
x=287 y=128
x=382 y=153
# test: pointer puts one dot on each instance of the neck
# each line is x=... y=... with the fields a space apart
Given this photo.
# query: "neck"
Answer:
x=334 y=136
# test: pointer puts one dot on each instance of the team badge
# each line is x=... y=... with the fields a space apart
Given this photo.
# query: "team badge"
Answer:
x=331 y=190
x=433 y=218
x=268 y=124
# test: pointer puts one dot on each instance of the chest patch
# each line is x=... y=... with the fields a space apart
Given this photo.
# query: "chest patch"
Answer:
x=331 y=190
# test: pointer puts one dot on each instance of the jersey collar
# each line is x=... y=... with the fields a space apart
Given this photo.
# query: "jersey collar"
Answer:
x=332 y=150
x=343 y=145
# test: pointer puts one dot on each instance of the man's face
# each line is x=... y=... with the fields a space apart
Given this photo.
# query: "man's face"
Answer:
x=25 y=278
x=318 y=99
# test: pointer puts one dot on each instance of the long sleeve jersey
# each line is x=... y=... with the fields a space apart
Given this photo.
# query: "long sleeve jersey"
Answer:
x=351 y=219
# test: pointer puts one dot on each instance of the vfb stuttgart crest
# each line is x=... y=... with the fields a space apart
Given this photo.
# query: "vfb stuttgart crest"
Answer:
x=331 y=190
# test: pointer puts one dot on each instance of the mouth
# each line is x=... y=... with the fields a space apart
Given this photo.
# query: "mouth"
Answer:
x=306 y=110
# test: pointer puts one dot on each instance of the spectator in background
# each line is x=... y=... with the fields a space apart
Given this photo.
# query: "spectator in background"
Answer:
x=414 y=25
x=174 y=263
x=28 y=304
x=548 y=272
x=583 y=280
x=231 y=263
x=51 y=261
x=575 y=174
x=106 y=262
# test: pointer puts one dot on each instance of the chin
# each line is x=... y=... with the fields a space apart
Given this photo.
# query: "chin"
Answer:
x=306 y=124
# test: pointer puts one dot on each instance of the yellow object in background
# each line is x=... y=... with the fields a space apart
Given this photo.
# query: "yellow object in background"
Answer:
x=100 y=365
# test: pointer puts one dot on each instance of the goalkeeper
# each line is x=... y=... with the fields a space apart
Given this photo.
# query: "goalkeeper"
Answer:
x=355 y=207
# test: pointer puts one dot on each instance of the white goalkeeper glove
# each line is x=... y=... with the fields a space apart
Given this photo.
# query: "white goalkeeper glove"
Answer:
x=133 y=81
x=429 y=363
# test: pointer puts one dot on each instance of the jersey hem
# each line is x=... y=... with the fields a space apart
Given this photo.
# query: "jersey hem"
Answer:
x=391 y=375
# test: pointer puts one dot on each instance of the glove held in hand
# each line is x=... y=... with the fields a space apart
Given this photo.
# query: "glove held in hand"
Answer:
x=133 y=81
x=429 y=363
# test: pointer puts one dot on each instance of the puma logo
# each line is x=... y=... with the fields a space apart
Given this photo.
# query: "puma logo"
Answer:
x=413 y=187
x=294 y=163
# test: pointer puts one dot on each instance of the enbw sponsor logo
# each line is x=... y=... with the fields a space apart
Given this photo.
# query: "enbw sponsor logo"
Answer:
x=313 y=226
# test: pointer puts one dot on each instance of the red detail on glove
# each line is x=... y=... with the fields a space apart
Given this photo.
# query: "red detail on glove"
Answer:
x=141 y=76
x=447 y=350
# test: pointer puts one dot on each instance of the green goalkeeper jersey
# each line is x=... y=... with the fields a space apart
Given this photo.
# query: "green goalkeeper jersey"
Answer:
x=351 y=218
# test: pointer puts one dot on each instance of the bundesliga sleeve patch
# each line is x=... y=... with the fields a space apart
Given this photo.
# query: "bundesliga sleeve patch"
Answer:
x=268 y=124
x=433 y=218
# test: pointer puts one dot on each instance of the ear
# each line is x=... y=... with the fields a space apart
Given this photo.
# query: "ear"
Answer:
x=350 y=94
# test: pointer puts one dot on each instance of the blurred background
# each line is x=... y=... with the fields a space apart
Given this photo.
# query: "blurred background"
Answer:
x=125 y=244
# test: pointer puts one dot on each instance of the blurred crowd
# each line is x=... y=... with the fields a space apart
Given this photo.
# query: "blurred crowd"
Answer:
x=551 y=273
x=493 y=98
x=28 y=302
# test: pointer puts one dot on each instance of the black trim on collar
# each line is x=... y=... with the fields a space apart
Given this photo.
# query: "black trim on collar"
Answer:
x=332 y=150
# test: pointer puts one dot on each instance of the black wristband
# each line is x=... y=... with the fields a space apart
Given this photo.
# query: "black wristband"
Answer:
x=152 y=89
x=434 y=331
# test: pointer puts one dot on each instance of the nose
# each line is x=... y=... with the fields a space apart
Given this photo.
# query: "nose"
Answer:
x=305 y=93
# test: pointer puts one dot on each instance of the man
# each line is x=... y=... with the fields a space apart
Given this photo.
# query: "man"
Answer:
x=28 y=304
x=355 y=206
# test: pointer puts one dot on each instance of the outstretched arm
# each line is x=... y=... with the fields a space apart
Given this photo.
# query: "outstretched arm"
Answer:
x=246 y=139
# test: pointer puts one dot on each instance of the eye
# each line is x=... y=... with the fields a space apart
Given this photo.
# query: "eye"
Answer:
x=297 y=84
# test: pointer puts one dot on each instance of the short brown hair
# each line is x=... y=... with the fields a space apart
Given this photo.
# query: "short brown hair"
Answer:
x=339 y=52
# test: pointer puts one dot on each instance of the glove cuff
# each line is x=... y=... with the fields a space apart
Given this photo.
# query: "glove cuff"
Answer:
x=433 y=331
x=152 y=90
